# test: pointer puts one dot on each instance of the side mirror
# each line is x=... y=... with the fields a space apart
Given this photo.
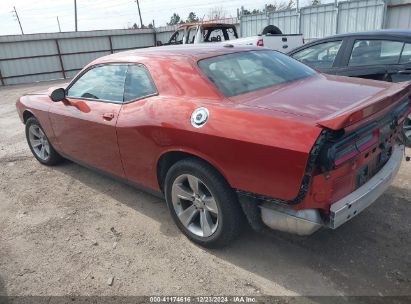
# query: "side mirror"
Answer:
x=58 y=94
x=159 y=43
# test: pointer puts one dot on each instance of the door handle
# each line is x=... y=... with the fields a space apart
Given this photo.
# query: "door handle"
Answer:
x=108 y=116
x=406 y=71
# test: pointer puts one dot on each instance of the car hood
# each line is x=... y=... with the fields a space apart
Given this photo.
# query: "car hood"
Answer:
x=316 y=97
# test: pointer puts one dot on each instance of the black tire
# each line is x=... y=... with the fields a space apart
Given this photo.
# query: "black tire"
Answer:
x=407 y=124
x=272 y=30
x=231 y=219
x=53 y=157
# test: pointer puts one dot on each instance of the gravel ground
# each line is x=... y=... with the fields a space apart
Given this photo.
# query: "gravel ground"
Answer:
x=67 y=230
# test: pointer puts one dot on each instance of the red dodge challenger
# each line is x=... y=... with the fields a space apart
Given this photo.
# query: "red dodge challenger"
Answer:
x=227 y=135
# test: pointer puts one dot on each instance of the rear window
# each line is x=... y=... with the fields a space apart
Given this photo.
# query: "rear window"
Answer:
x=244 y=72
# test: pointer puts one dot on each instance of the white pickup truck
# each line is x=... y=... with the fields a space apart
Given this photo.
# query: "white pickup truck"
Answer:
x=271 y=37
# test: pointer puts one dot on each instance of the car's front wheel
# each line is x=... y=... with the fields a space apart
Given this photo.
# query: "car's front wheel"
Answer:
x=39 y=144
x=202 y=204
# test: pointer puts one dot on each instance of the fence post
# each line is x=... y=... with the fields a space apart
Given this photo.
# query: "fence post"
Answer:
x=60 y=58
x=110 y=43
x=1 y=78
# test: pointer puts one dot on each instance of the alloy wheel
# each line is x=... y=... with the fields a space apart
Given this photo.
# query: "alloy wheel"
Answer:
x=195 y=205
x=39 y=142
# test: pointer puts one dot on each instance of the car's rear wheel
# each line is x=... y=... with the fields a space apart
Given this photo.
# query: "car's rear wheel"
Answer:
x=39 y=144
x=407 y=130
x=202 y=204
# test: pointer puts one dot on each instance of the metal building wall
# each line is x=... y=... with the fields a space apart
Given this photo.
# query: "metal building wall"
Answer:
x=38 y=57
x=251 y=25
x=287 y=20
x=318 y=21
x=363 y=15
x=398 y=14
x=164 y=33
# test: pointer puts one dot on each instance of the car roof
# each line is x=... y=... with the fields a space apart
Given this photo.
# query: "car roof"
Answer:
x=195 y=52
x=386 y=32
x=207 y=25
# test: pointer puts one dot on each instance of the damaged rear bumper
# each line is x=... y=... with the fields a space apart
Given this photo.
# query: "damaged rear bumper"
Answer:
x=351 y=205
x=307 y=221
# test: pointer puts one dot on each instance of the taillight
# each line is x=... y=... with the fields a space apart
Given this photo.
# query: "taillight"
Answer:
x=260 y=42
x=344 y=154
x=367 y=141
x=348 y=151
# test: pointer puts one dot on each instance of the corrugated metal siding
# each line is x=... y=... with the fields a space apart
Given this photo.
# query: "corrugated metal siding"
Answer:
x=75 y=48
x=132 y=41
x=164 y=33
x=74 y=45
x=29 y=79
x=78 y=61
x=251 y=25
x=64 y=35
x=29 y=66
x=288 y=21
x=398 y=17
x=318 y=21
x=357 y=16
x=26 y=49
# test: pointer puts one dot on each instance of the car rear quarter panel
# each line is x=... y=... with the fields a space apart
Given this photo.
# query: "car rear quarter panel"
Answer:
x=254 y=150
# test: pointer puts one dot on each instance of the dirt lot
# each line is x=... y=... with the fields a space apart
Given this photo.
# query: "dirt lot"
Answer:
x=67 y=230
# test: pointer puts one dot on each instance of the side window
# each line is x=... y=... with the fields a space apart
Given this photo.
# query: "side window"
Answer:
x=177 y=37
x=371 y=52
x=319 y=56
x=406 y=54
x=138 y=83
x=214 y=35
x=191 y=35
x=102 y=82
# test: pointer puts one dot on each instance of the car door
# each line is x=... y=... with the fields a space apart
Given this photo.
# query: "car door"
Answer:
x=322 y=56
x=85 y=122
x=403 y=71
x=372 y=58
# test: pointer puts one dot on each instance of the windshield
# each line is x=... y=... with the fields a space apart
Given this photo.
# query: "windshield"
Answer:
x=243 y=72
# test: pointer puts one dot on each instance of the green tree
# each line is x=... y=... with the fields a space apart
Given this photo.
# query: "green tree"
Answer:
x=175 y=19
x=291 y=4
x=246 y=12
x=192 y=17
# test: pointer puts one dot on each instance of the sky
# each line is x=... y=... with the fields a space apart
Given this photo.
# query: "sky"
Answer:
x=40 y=16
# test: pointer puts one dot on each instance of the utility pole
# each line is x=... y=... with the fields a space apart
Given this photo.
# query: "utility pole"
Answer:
x=75 y=15
x=139 y=13
x=58 y=22
x=18 y=19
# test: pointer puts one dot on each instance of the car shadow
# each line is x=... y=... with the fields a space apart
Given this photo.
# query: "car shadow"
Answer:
x=370 y=255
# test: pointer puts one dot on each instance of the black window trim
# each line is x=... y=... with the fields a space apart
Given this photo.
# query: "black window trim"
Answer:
x=151 y=80
x=351 y=41
x=337 y=60
x=126 y=64
x=354 y=39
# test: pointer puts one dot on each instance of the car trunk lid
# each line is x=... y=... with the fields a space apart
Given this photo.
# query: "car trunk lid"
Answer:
x=328 y=101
